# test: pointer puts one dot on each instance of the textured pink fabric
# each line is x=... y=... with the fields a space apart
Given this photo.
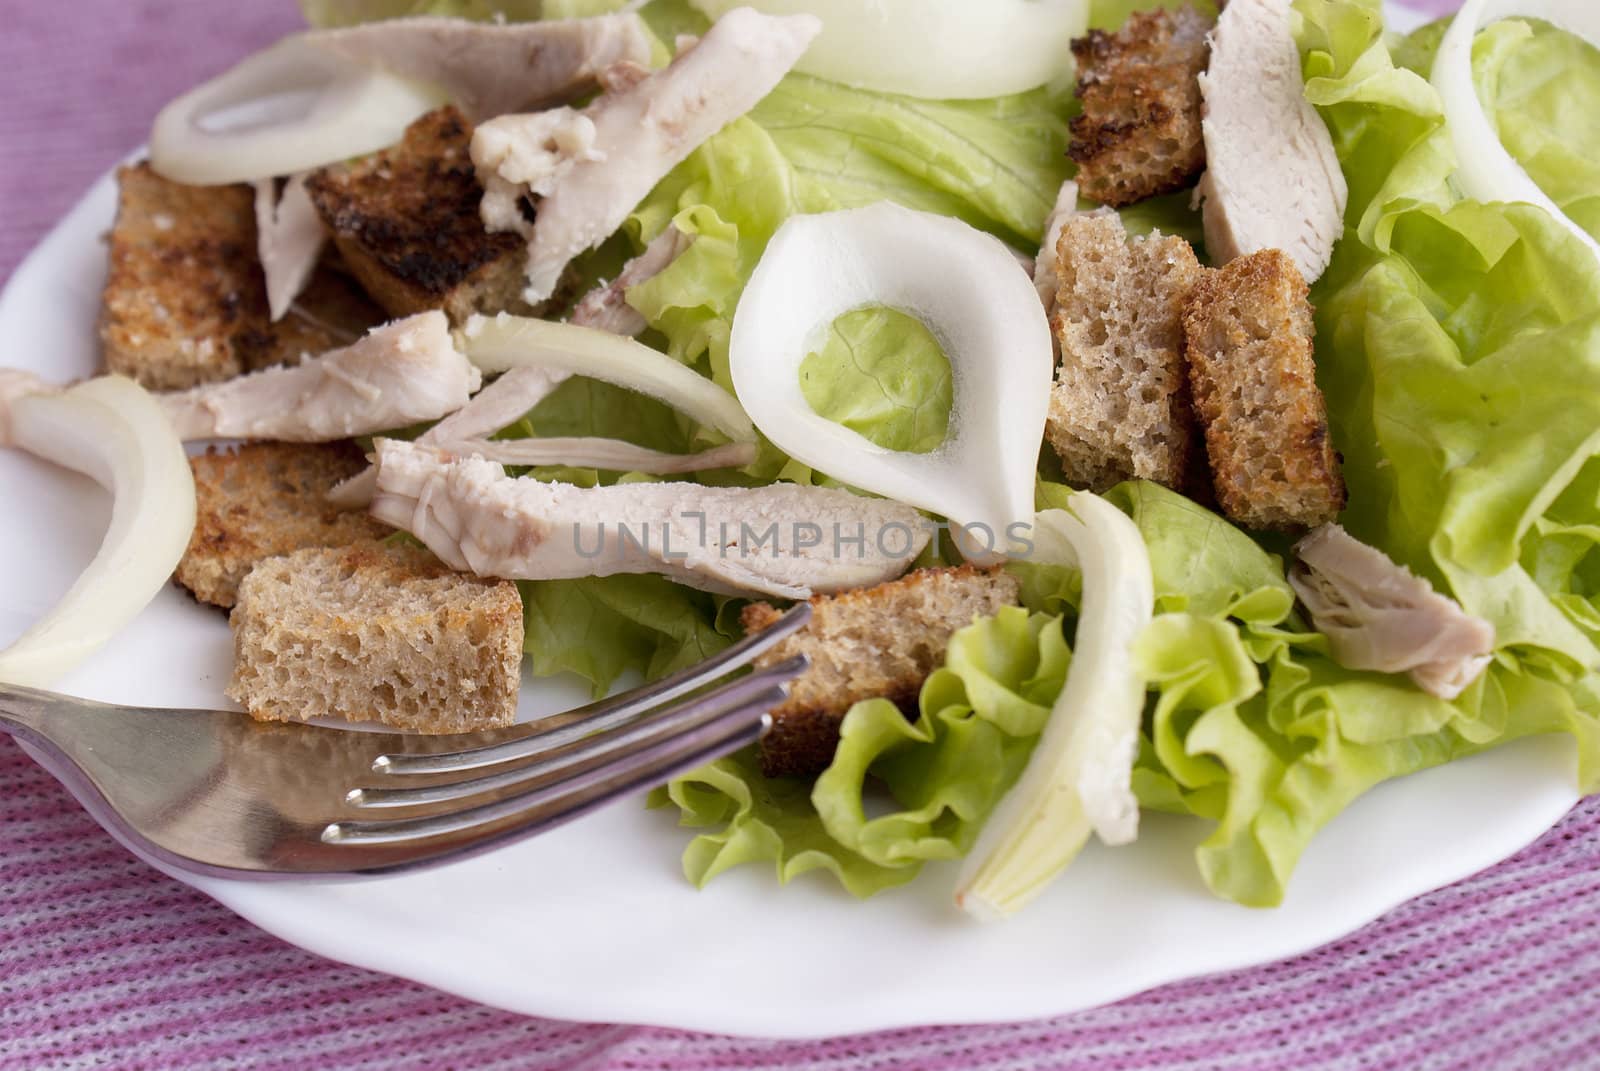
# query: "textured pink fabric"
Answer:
x=106 y=963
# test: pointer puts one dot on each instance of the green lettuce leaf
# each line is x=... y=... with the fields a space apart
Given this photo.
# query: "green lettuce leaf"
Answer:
x=881 y=374
x=602 y=627
x=930 y=781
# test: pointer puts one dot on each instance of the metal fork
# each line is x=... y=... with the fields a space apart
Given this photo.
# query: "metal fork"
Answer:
x=216 y=793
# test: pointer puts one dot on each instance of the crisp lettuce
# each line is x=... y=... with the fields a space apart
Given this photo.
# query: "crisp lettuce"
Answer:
x=940 y=775
x=603 y=627
x=929 y=782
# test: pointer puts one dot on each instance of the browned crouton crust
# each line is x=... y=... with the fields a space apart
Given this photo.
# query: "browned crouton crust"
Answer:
x=1120 y=407
x=865 y=644
x=371 y=632
x=185 y=300
x=1249 y=329
x=262 y=500
x=1139 y=133
x=406 y=222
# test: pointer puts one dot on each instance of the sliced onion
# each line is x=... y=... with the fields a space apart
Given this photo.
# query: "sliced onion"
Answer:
x=351 y=110
x=935 y=49
x=504 y=342
x=113 y=431
x=1078 y=778
x=589 y=452
x=965 y=286
x=1485 y=170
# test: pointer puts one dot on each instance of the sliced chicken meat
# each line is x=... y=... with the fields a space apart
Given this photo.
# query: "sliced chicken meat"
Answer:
x=399 y=374
x=1379 y=616
x=782 y=540
x=289 y=239
x=591 y=168
x=1272 y=178
x=491 y=69
x=606 y=306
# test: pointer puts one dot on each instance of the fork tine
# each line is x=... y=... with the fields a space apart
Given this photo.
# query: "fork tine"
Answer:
x=606 y=714
x=712 y=705
x=539 y=808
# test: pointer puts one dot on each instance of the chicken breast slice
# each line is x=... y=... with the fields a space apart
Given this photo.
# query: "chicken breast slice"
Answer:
x=290 y=235
x=591 y=168
x=783 y=540
x=491 y=69
x=401 y=373
x=1272 y=177
x=1380 y=616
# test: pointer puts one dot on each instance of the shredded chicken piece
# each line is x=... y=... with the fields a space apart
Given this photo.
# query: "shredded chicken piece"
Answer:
x=401 y=373
x=491 y=69
x=290 y=235
x=591 y=168
x=783 y=540
x=1380 y=616
x=606 y=306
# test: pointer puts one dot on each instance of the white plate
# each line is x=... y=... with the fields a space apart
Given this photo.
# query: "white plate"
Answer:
x=595 y=922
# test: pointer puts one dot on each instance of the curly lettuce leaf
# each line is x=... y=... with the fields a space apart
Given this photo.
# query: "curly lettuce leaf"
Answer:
x=1460 y=348
x=930 y=781
x=1457 y=348
x=904 y=791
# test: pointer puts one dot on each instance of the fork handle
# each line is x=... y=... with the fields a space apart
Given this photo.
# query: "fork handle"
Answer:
x=25 y=709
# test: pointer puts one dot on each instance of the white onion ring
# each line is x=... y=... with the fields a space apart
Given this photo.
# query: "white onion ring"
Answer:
x=965 y=286
x=355 y=110
x=113 y=431
x=504 y=342
x=1485 y=171
x=1079 y=777
x=935 y=49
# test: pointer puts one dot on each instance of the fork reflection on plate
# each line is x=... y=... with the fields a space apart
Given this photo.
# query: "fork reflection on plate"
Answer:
x=217 y=793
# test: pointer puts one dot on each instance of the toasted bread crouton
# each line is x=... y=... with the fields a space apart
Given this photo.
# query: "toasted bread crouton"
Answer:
x=1139 y=134
x=376 y=633
x=185 y=300
x=263 y=500
x=406 y=222
x=1120 y=408
x=874 y=642
x=1248 y=328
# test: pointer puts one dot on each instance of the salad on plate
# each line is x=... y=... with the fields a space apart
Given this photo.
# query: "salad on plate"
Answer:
x=1162 y=408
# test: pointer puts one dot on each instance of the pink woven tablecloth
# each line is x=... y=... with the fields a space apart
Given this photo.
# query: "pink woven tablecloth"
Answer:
x=107 y=963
